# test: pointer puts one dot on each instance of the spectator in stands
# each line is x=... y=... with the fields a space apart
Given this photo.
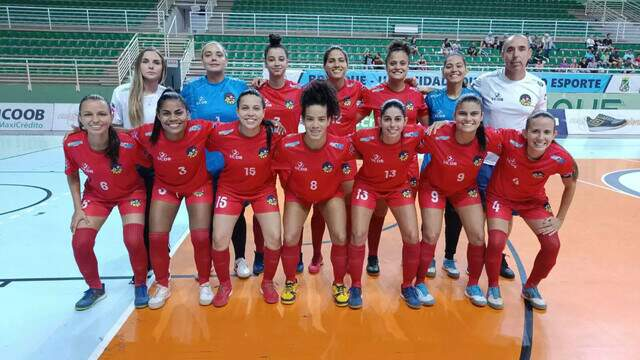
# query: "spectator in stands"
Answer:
x=547 y=45
x=628 y=55
x=637 y=60
x=607 y=42
x=368 y=59
x=422 y=63
x=583 y=63
x=614 y=59
x=413 y=46
x=455 y=47
x=530 y=38
x=539 y=64
x=574 y=65
x=589 y=56
x=590 y=42
x=472 y=50
x=445 y=48
x=564 y=65
x=488 y=42
x=378 y=62
x=500 y=43
x=534 y=43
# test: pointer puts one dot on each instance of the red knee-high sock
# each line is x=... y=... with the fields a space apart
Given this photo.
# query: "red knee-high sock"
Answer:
x=475 y=259
x=257 y=235
x=545 y=260
x=83 y=241
x=290 y=256
x=375 y=231
x=493 y=255
x=339 y=262
x=356 y=263
x=317 y=232
x=158 y=245
x=271 y=260
x=134 y=241
x=201 y=240
x=427 y=251
x=410 y=261
x=221 y=260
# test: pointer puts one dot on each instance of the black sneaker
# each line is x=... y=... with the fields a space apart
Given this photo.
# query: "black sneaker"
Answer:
x=373 y=268
x=505 y=271
x=604 y=122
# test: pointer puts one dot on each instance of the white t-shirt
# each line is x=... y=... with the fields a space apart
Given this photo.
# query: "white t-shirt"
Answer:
x=120 y=105
x=508 y=103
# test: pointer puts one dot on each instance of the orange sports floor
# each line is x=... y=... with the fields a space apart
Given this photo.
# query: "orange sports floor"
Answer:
x=591 y=293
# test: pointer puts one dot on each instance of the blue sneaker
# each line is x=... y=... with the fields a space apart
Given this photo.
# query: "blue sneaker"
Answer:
x=532 y=295
x=494 y=298
x=300 y=267
x=431 y=271
x=355 y=297
x=258 y=263
x=90 y=298
x=141 y=297
x=474 y=293
x=424 y=295
x=449 y=266
x=410 y=296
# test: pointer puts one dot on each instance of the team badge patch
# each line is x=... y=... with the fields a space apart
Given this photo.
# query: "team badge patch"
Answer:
x=74 y=143
x=192 y=151
x=272 y=200
x=472 y=193
x=404 y=155
x=406 y=193
x=126 y=145
x=195 y=128
x=263 y=153
x=516 y=181
x=538 y=174
x=346 y=169
x=547 y=208
x=288 y=104
x=525 y=100
x=410 y=106
x=162 y=191
x=116 y=169
x=477 y=160
x=442 y=138
x=327 y=167
x=198 y=193
x=347 y=101
x=413 y=182
x=229 y=98
x=336 y=145
x=367 y=138
x=516 y=144
x=135 y=203
x=558 y=159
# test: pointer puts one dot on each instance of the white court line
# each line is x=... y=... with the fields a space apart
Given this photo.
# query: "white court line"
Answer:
x=608 y=188
x=106 y=340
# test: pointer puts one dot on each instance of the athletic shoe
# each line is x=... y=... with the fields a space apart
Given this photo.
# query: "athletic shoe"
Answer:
x=532 y=295
x=340 y=295
x=355 y=297
x=288 y=296
x=90 y=298
x=222 y=295
x=241 y=268
x=474 y=293
x=431 y=271
x=505 y=271
x=373 y=268
x=604 y=122
x=258 y=263
x=300 y=267
x=315 y=265
x=141 y=297
x=206 y=294
x=449 y=266
x=410 y=296
x=269 y=292
x=425 y=297
x=494 y=299
x=159 y=298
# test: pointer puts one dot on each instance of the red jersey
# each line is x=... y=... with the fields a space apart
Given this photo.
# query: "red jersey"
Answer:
x=386 y=167
x=517 y=178
x=179 y=165
x=247 y=160
x=349 y=99
x=453 y=166
x=283 y=105
x=106 y=181
x=314 y=175
x=410 y=97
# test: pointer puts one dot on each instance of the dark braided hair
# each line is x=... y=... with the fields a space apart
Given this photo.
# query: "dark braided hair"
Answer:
x=167 y=94
x=318 y=92
x=480 y=135
x=275 y=42
x=113 y=147
x=268 y=124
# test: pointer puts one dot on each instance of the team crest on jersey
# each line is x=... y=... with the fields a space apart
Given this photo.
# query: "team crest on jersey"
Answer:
x=267 y=103
x=367 y=138
x=292 y=144
x=288 y=104
x=116 y=169
x=558 y=159
x=547 y=208
x=403 y=156
x=195 y=128
x=198 y=193
x=336 y=145
x=525 y=100
x=346 y=169
x=327 y=167
x=135 y=203
x=512 y=162
x=516 y=181
x=377 y=159
x=192 y=151
x=300 y=166
x=272 y=200
x=126 y=145
x=235 y=155
x=148 y=133
x=442 y=138
x=86 y=168
x=225 y=132
x=85 y=203
x=410 y=134
x=450 y=160
x=472 y=193
x=477 y=160
x=162 y=191
x=497 y=97
x=537 y=174
x=346 y=101
x=202 y=101
x=74 y=143
x=516 y=144
x=163 y=157
x=359 y=103
x=263 y=153
x=410 y=106
x=413 y=182
x=229 y=98
x=406 y=193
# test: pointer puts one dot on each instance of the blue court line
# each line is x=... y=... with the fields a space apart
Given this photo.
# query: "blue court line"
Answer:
x=527 y=336
x=5 y=282
x=47 y=196
x=613 y=179
x=30 y=152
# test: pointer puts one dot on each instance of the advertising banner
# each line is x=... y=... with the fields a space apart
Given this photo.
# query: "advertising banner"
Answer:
x=25 y=117
x=605 y=101
x=624 y=84
x=602 y=122
x=64 y=115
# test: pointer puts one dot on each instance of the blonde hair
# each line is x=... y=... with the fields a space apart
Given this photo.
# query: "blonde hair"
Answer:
x=216 y=43
x=136 y=109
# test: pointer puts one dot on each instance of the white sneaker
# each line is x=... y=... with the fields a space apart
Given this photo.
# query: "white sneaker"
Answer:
x=242 y=268
x=159 y=298
x=206 y=295
x=431 y=271
x=494 y=299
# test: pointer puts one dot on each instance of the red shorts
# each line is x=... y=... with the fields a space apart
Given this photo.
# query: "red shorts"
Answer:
x=431 y=198
x=349 y=170
x=134 y=203
x=503 y=209
x=264 y=201
x=203 y=194
x=365 y=196
x=291 y=197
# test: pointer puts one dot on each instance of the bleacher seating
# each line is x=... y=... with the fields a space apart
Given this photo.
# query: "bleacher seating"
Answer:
x=34 y=44
x=86 y=4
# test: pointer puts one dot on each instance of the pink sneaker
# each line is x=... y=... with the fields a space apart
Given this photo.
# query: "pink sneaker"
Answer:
x=222 y=295
x=269 y=292
x=315 y=265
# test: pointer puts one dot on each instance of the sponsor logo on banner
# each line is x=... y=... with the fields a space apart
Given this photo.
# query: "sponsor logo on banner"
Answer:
x=22 y=116
x=624 y=84
x=598 y=122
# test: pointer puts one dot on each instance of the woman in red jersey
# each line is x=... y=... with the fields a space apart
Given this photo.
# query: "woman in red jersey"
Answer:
x=177 y=146
x=246 y=146
x=396 y=87
x=387 y=152
x=314 y=162
x=108 y=159
x=527 y=160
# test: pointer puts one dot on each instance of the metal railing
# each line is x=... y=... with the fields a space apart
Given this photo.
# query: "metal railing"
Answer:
x=127 y=58
x=39 y=18
x=377 y=26
x=185 y=61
